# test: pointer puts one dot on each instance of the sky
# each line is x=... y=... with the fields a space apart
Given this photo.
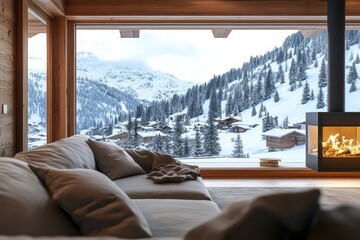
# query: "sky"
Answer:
x=190 y=55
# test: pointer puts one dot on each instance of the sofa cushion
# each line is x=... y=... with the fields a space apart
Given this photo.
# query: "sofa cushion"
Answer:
x=174 y=217
x=71 y=152
x=94 y=202
x=140 y=186
x=341 y=222
x=26 y=206
x=114 y=161
x=276 y=216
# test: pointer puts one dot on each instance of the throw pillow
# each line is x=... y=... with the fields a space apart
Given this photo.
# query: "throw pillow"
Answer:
x=277 y=216
x=94 y=202
x=114 y=161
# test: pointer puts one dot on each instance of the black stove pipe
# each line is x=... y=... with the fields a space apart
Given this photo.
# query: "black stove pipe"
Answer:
x=336 y=57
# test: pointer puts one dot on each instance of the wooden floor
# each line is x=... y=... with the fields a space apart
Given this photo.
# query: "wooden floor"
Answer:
x=324 y=182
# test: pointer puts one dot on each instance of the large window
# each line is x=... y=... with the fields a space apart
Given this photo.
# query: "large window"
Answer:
x=37 y=81
x=187 y=93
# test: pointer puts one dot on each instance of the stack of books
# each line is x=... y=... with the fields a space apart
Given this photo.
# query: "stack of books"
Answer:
x=269 y=162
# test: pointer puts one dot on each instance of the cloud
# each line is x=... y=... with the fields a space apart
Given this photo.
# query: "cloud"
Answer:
x=192 y=55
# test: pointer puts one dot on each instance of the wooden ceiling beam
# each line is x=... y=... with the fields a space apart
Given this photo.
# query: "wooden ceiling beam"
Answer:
x=52 y=8
x=175 y=8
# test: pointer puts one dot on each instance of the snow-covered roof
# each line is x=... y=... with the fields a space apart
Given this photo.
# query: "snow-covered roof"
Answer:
x=282 y=132
x=244 y=126
x=151 y=134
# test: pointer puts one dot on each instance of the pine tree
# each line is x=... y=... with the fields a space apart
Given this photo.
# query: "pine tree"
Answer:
x=213 y=104
x=167 y=148
x=135 y=137
x=258 y=92
x=177 y=139
x=316 y=64
x=292 y=75
x=238 y=148
x=352 y=87
x=306 y=94
x=301 y=72
x=158 y=143
x=280 y=75
x=312 y=96
x=267 y=123
x=351 y=57
x=276 y=96
x=268 y=86
x=245 y=102
x=285 y=124
x=322 y=75
x=229 y=106
x=357 y=59
x=186 y=148
x=320 y=99
x=198 y=151
x=352 y=75
x=129 y=128
x=253 y=112
x=211 y=139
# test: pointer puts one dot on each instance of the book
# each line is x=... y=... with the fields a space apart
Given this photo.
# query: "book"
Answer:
x=269 y=162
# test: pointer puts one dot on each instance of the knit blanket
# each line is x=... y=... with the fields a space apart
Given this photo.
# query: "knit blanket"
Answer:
x=164 y=168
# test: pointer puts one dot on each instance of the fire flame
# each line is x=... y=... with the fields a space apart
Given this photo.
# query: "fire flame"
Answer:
x=334 y=147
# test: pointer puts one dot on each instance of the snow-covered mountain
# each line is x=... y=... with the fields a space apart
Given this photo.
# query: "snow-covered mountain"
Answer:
x=133 y=77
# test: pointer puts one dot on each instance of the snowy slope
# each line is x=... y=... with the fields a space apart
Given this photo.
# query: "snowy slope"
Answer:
x=133 y=77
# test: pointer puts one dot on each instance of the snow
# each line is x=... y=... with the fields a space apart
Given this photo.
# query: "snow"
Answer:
x=151 y=134
x=282 y=132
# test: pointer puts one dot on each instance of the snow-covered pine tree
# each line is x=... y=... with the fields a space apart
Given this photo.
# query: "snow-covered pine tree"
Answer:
x=351 y=56
x=352 y=75
x=129 y=128
x=268 y=86
x=292 y=75
x=198 y=150
x=301 y=72
x=316 y=64
x=285 y=124
x=312 y=96
x=167 y=148
x=267 y=123
x=357 y=59
x=322 y=75
x=253 y=112
x=238 y=148
x=186 y=148
x=211 y=139
x=245 y=102
x=320 y=99
x=229 y=106
x=352 y=87
x=280 y=75
x=177 y=139
x=276 y=96
x=135 y=137
x=158 y=144
x=306 y=96
x=258 y=92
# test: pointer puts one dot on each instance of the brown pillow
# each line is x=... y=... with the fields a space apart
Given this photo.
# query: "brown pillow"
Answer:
x=26 y=208
x=94 y=202
x=114 y=161
x=277 y=216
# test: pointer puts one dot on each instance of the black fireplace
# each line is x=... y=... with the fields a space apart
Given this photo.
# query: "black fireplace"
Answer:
x=333 y=141
x=333 y=137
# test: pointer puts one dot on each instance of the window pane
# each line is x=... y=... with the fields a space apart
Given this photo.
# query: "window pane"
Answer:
x=184 y=92
x=36 y=82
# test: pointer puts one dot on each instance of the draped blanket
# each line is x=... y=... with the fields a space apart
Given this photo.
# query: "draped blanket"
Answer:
x=164 y=168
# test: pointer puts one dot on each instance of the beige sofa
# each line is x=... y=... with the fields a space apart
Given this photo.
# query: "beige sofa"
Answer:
x=27 y=208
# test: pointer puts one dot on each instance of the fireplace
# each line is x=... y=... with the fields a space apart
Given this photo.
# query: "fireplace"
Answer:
x=333 y=141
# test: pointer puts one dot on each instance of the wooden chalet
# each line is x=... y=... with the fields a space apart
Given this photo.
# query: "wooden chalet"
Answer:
x=238 y=128
x=225 y=123
x=284 y=138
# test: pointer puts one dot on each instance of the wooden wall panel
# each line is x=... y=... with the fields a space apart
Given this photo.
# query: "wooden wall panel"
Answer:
x=7 y=77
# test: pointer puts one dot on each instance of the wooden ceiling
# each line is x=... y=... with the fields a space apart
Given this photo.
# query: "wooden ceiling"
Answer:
x=198 y=11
